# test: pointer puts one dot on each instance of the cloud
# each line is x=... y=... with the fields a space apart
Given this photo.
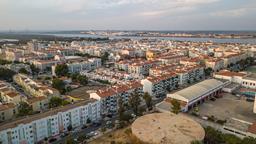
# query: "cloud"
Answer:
x=231 y=13
x=173 y=7
x=122 y=14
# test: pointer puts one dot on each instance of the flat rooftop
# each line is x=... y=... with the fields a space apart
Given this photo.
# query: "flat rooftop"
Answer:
x=198 y=89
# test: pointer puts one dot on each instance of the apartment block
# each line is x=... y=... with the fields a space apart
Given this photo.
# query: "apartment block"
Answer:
x=35 y=128
x=159 y=85
x=109 y=96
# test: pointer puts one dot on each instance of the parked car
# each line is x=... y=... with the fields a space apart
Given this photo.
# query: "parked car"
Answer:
x=96 y=124
x=204 y=117
x=84 y=126
x=52 y=140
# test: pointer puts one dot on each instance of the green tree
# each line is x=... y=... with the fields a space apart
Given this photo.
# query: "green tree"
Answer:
x=82 y=80
x=104 y=57
x=69 y=140
x=208 y=71
x=196 y=142
x=55 y=102
x=59 y=85
x=134 y=102
x=70 y=128
x=61 y=70
x=6 y=74
x=23 y=71
x=34 y=69
x=175 y=108
x=24 y=109
x=121 y=109
x=4 y=62
x=231 y=139
x=148 y=100
x=212 y=136
x=248 y=140
x=88 y=121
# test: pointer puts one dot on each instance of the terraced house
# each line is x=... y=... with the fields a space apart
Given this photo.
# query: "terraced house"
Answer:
x=34 y=88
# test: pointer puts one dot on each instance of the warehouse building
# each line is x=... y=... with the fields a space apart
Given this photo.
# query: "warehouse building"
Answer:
x=198 y=93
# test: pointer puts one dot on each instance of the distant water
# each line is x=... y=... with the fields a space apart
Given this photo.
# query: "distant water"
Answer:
x=8 y=40
x=215 y=40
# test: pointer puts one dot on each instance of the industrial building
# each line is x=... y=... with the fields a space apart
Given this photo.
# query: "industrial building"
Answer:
x=198 y=93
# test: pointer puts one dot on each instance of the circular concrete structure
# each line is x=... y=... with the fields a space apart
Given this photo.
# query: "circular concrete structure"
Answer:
x=166 y=128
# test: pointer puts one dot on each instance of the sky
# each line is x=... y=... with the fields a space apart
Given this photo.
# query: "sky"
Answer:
x=127 y=14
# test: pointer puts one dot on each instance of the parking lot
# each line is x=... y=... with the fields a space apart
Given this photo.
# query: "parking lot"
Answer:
x=229 y=106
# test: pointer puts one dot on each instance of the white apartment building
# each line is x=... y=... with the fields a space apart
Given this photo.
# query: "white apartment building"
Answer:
x=189 y=74
x=109 y=96
x=215 y=64
x=159 y=85
x=234 y=58
x=35 y=128
x=142 y=68
x=44 y=64
x=77 y=66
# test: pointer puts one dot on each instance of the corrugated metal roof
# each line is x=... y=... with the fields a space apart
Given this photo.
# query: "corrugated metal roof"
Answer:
x=199 y=89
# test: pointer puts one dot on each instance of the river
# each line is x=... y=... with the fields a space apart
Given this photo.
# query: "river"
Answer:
x=215 y=40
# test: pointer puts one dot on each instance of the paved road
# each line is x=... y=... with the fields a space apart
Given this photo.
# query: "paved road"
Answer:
x=206 y=123
x=83 y=132
x=73 y=135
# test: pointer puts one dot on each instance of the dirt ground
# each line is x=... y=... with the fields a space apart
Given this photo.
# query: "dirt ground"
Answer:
x=82 y=92
x=229 y=106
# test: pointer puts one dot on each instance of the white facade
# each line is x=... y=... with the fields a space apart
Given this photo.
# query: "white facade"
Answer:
x=36 y=130
x=246 y=80
x=109 y=97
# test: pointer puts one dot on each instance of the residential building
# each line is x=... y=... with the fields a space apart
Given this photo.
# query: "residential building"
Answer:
x=216 y=64
x=36 y=128
x=38 y=103
x=7 y=111
x=34 y=88
x=109 y=96
x=159 y=85
x=247 y=80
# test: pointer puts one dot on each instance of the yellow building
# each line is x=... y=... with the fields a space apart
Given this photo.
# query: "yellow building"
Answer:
x=10 y=96
x=150 y=54
x=38 y=103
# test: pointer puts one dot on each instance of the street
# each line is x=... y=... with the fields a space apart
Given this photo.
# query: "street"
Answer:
x=83 y=132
